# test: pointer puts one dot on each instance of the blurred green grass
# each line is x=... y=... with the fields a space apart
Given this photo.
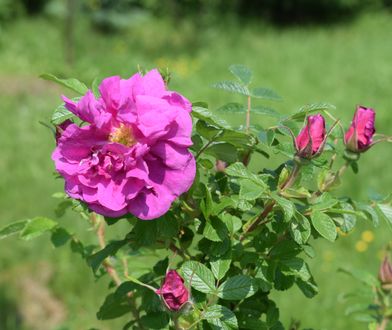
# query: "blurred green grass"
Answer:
x=344 y=64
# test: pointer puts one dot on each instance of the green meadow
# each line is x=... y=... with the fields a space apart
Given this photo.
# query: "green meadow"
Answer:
x=344 y=64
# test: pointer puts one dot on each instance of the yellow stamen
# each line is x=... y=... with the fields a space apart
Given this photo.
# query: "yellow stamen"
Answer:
x=123 y=135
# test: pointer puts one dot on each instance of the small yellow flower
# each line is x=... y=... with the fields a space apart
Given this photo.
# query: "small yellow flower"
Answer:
x=367 y=236
x=341 y=232
x=361 y=246
x=328 y=256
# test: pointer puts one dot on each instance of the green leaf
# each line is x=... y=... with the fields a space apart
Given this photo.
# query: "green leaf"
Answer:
x=242 y=72
x=95 y=87
x=349 y=220
x=265 y=93
x=286 y=205
x=12 y=228
x=113 y=307
x=308 y=288
x=236 y=288
x=250 y=190
x=155 y=320
x=272 y=315
x=223 y=151
x=362 y=276
x=371 y=212
x=61 y=114
x=240 y=171
x=146 y=232
x=206 y=205
x=355 y=308
x=300 y=229
x=60 y=237
x=36 y=227
x=220 y=318
x=324 y=202
x=237 y=138
x=267 y=136
x=386 y=211
x=310 y=108
x=71 y=83
x=265 y=111
x=232 y=86
x=232 y=222
x=209 y=117
x=296 y=267
x=210 y=132
x=220 y=266
x=215 y=230
x=198 y=276
x=263 y=283
x=284 y=250
x=110 y=249
x=324 y=225
x=232 y=107
x=224 y=203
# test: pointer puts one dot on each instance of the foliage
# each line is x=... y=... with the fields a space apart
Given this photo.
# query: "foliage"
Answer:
x=372 y=302
x=236 y=236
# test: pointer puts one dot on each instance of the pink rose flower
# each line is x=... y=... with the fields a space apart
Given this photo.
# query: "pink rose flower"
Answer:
x=132 y=155
x=173 y=291
x=359 y=136
x=310 y=141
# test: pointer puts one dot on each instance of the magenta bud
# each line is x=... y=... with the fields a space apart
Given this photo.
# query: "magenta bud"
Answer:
x=385 y=274
x=310 y=141
x=220 y=165
x=173 y=291
x=359 y=136
x=61 y=128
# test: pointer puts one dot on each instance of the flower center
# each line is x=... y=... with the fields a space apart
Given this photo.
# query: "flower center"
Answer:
x=123 y=135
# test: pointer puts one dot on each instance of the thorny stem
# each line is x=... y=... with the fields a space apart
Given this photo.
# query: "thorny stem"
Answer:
x=248 y=116
x=333 y=158
x=178 y=251
x=293 y=176
x=383 y=325
x=106 y=263
x=262 y=219
x=110 y=269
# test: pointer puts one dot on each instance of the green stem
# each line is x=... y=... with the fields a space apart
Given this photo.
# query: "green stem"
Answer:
x=176 y=322
x=194 y=323
x=207 y=144
x=293 y=176
x=270 y=204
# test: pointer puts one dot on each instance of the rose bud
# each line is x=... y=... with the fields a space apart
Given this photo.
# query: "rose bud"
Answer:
x=220 y=165
x=173 y=291
x=385 y=274
x=61 y=128
x=310 y=141
x=359 y=137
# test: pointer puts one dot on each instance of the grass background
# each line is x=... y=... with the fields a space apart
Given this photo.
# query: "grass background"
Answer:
x=344 y=64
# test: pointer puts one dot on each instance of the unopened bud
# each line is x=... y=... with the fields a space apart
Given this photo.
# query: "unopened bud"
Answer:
x=173 y=291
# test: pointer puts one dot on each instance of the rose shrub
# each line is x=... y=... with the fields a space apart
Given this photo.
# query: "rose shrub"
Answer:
x=228 y=231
